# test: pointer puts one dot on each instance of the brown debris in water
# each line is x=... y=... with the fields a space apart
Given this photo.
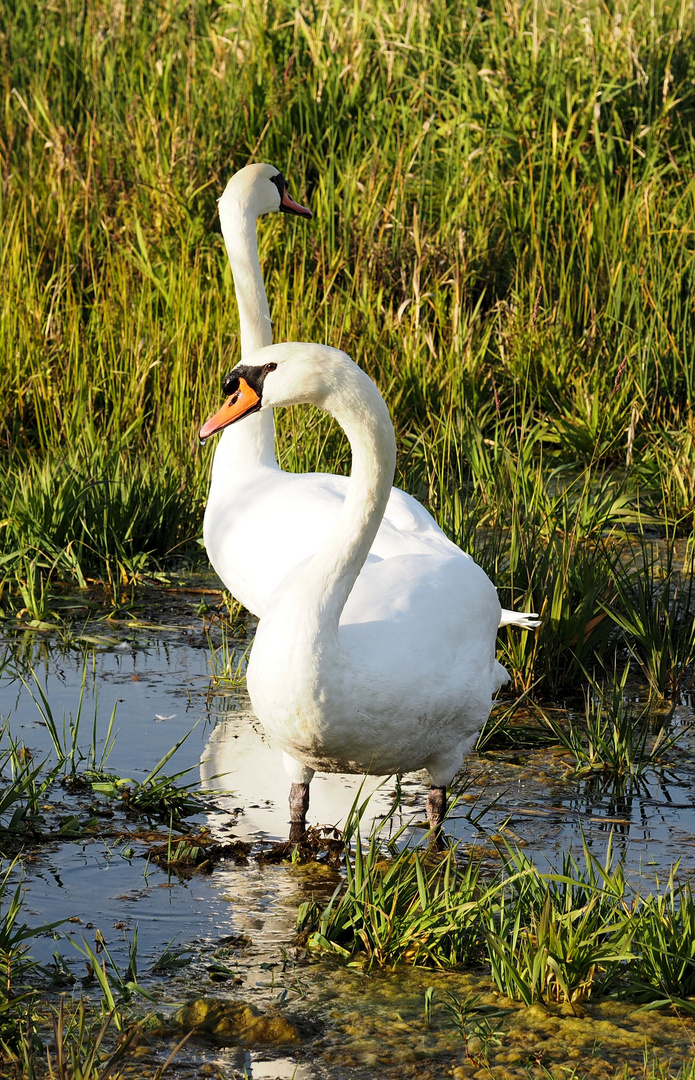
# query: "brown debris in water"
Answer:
x=320 y=843
x=196 y=854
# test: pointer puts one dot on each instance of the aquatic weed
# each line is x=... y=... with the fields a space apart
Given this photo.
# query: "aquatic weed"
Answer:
x=21 y=792
x=65 y=736
x=81 y=1047
x=559 y=936
x=616 y=739
x=411 y=906
x=474 y=1022
x=655 y=610
x=16 y=963
x=663 y=972
x=102 y=968
x=159 y=797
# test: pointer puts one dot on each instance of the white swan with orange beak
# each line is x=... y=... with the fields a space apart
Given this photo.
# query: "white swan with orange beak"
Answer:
x=261 y=522
x=362 y=663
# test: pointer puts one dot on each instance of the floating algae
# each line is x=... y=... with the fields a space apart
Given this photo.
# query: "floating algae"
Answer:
x=377 y=1022
x=237 y=1023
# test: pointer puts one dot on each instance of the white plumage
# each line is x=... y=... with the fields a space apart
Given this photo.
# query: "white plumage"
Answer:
x=261 y=522
x=364 y=662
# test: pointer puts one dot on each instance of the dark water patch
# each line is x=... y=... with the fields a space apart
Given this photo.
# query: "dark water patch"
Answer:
x=651 y=824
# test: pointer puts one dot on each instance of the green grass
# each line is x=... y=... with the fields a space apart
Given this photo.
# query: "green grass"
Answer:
x=563 y=936
x=504 y=237
x=615 y=741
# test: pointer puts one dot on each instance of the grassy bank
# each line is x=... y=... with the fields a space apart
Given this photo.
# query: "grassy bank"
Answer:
x=503 y=236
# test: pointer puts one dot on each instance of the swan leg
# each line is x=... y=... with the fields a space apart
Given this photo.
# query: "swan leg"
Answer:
x=299 y=804
x=436 y=809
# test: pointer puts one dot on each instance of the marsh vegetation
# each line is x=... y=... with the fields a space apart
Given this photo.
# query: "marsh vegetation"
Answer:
x=502 y=237
x=503 y=228
x=500 y=951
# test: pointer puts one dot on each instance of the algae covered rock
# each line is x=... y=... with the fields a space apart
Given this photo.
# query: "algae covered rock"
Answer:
x=235 y=1022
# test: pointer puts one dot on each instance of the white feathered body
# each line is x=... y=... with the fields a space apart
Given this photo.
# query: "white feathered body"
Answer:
x=408 y=683
x=261 y=523
x=362 y=663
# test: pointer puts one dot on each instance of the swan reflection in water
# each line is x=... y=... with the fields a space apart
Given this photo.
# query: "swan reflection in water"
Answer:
x=240 y=759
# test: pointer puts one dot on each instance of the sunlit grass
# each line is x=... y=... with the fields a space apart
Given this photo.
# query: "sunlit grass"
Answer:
x=503 y=237
x=576 y=932
x=503 y=229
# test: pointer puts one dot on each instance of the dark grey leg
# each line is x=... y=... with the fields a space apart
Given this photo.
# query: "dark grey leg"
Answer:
x=436 y=809
x=299 y=804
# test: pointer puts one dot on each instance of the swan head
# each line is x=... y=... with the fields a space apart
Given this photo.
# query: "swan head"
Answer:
x=291 y=373
x=260 y=189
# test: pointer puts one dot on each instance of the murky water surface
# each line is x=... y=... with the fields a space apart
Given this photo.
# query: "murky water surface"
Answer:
x=237 y=923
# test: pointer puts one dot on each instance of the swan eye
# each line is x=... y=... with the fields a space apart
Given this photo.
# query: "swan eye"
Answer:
x=280 y=183
x=269 y=367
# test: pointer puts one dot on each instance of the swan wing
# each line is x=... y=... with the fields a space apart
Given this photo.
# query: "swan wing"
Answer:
x=412 y=682
x=257 y=531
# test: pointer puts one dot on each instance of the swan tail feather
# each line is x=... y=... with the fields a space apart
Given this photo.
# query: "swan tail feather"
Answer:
x=527 y=620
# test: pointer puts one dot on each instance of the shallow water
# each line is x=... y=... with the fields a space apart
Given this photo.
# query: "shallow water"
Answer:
x=162 y=683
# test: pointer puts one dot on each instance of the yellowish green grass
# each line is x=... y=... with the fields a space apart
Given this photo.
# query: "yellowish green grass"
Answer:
x=504 y=234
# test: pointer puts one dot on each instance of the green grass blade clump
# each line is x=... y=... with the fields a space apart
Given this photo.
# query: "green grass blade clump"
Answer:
x=665 y=939
x=554 y=937
x=616 y=740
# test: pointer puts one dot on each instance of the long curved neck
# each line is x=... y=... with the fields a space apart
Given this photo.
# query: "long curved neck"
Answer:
x=321 y=590
x=253 y=442
x=239 y=231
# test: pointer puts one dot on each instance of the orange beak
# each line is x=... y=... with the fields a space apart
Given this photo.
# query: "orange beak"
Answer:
x=289 y=206
x=244 y=400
